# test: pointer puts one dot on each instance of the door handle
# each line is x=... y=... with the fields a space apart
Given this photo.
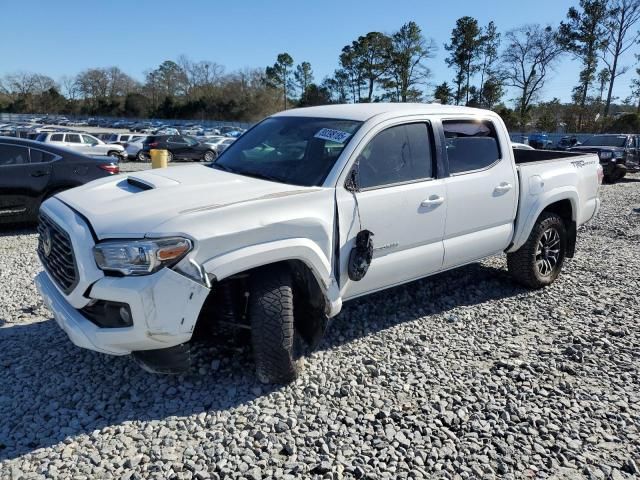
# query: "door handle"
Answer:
x=432 y=201
x=39 y=173
x=503 y=187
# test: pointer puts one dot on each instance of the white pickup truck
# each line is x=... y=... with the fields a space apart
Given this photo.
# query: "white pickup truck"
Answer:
x=310 y=208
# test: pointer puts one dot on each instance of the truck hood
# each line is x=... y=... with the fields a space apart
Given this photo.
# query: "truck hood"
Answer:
x=134 y=204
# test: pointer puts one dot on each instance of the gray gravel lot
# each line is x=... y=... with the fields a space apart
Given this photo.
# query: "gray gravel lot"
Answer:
x=463 y=375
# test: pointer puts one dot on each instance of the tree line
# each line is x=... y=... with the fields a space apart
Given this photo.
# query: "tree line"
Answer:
x=489 y=69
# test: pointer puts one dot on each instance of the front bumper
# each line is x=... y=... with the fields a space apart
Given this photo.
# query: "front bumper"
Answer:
x=164 y=307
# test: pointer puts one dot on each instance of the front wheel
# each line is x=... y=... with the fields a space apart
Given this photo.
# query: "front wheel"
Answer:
x=277 y=345
x=114 y=154
x=141 y=157
x=539 y=261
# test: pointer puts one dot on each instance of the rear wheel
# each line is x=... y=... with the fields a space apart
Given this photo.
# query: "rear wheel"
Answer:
x=539 y=261
x=209 y=156
x=277 y=345
x=141 y=157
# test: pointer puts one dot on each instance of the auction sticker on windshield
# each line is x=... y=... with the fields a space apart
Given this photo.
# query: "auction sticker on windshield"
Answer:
x=337 y=136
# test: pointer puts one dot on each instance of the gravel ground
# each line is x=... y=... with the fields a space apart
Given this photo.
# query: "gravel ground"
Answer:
x=462 y=375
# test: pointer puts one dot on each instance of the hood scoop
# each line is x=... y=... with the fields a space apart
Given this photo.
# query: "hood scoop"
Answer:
x=142 y=185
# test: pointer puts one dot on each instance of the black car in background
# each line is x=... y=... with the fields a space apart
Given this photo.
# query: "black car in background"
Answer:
x=180 y=147
x=618 y=153
x=31 y=172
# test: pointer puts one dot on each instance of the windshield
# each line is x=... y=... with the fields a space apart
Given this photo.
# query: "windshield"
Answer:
x=605 y=141
x=293 y=150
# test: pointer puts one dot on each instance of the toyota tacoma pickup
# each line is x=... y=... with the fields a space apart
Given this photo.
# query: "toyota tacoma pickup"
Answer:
x=308 y=209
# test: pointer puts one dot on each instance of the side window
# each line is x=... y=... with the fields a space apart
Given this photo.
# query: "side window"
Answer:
x=398 y=154
x=471 y=145
x=13 y=155
x=56 y=137
x=89 y=140
x=38 y=156
x=73 y=138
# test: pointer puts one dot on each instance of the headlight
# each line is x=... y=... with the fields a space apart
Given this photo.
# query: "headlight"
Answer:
x=605 y=155
x=618 y=154
x=140 y=257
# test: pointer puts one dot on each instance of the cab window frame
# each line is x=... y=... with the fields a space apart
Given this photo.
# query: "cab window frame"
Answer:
x=492 y=126
x=433 y=147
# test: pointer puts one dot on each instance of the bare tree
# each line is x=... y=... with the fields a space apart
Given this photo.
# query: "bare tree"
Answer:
x=624 y=14
x=528 y=59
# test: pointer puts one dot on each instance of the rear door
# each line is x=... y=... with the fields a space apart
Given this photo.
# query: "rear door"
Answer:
x=481 y=190
x=22 y=182
x=74 y=141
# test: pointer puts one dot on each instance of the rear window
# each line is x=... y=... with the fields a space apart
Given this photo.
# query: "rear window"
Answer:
x=471 y=145
x=56 y=137
x=73 y=138
x=38 y=156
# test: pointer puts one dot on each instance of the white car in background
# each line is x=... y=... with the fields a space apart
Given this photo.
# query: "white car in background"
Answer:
x=83 y=143
x=133 y=148
x=123 y=138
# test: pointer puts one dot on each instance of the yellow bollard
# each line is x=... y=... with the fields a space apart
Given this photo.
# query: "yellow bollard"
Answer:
x=158 y=158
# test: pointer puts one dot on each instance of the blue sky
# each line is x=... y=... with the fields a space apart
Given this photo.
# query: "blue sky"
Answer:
x=63 y=38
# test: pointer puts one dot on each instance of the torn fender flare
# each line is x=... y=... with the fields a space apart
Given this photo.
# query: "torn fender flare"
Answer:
x=302 y=249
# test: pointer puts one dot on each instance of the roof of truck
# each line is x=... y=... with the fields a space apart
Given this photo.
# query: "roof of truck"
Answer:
x=365 y=111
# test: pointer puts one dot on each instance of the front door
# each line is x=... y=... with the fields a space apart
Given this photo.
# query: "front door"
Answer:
x=400 y=201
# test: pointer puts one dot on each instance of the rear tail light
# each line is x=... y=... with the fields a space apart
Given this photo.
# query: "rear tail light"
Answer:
x=112 y=168
x=600 y=174
x=125 y=145
x=153 y=144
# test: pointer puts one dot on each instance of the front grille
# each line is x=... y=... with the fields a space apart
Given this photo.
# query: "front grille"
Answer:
x=56 y=254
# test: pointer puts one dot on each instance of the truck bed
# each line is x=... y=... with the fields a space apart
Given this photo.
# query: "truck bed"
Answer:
x=528 y=156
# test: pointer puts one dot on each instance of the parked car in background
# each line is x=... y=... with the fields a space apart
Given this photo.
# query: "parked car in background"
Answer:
x=208 y=132
x=567 y=142
x=31 y=172
x=540 y=141
x=83 y=143
x=134 y=149
x=618 y=153
x=225 y=144
x=166 y=131
x=216 y=142
x=180 y=147
x=122 y=138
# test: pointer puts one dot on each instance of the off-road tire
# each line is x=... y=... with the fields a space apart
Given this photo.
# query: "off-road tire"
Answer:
x=523 y=265
x=277 y=347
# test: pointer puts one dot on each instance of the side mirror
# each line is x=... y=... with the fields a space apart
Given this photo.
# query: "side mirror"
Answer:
x=352 y=180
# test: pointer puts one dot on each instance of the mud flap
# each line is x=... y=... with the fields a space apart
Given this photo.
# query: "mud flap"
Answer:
x=171 y=360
